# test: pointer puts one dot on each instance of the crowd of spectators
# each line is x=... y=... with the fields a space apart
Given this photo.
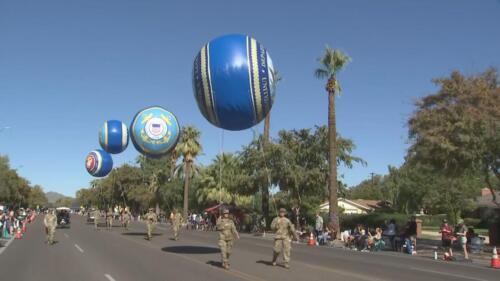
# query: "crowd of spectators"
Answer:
x=11 y=220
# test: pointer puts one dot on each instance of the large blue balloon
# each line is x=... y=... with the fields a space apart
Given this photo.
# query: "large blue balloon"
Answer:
x=233 y=82
x=98 y=163
x=154 y=131
x=113 y=136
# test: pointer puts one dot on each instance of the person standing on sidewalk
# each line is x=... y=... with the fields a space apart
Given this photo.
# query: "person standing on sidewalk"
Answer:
x=461 y=232
x=318 y=227
x=446 y=237
x=285 y=231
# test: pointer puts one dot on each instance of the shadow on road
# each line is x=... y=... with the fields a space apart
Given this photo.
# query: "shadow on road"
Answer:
x=215 y=263
x=140 y=234
x=268 y=263
x=191 y=250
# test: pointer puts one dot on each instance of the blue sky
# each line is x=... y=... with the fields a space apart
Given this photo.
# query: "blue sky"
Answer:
x=67 y=66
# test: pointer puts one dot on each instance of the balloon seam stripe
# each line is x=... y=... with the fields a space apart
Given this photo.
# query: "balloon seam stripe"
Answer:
x=255 y=70
x=210 y=86
x=250 y=74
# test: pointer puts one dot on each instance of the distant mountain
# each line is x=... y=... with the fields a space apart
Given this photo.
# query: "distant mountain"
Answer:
x=53 y=196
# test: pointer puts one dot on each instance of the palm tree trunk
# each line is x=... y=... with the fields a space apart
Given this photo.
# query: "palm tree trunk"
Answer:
x=265 y=189
x=332 y=180
x=267 y=127
x=187 y=168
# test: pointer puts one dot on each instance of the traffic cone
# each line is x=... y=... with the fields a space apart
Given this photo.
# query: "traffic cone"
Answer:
x=312 y=241
x=495 y=261
x=18 y=234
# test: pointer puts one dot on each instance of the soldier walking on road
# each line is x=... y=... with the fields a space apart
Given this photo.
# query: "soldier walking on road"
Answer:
x=50 y=222
x=97 y=215
x=285 y=231
x=227 y=233
x=126 y=218
x=109 y=219
x=151 y=220
x=176 y=219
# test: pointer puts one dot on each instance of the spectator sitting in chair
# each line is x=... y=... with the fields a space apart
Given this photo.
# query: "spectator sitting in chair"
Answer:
x=377 y=243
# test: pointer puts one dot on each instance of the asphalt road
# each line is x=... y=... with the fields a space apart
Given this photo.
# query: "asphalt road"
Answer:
x=82 y=253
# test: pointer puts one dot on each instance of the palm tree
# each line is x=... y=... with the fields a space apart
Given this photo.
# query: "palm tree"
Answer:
x=331 y=63
x=189 y=147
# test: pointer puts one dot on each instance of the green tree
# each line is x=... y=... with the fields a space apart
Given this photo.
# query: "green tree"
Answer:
x=37 y=197
x=189 y=147
x=331 y=63
x=457 y=129
x=157 y=173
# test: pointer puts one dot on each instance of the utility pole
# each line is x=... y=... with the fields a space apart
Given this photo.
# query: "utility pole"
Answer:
x=372 y=174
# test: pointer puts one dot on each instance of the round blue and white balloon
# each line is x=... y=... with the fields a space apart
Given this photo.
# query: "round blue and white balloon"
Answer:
x=154 y=131
x=233 y=82
x=99 y=163
x=113 y=136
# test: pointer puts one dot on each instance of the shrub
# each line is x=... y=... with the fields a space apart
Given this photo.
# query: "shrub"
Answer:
x=472 y=222
x=373 y=220
x=434 y=220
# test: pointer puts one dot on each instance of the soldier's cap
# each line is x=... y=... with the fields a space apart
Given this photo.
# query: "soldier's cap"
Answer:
x=282 y=210
x=225 y=211
x=151 y=209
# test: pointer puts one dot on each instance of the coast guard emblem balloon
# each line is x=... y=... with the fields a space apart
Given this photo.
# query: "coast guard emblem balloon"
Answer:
x=154 y=131
x=98 y=163
x=113 y=136
x=233 y=82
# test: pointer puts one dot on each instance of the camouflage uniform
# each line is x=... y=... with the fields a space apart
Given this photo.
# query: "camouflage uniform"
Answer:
x=176 y=224
x=97 y=215
x=50 y=222
x=285 y=231
x=126 y=219
x=151 y=220
x=227 y=233
x=109 y=219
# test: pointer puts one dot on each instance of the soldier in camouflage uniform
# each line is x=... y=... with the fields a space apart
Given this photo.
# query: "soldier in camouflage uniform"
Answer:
x=109 y=219
x=227 y=233
x=50 y=222
x=126 y=218
x=151 y=220
x=176 y=219
x=285 y=231
x=97 y=215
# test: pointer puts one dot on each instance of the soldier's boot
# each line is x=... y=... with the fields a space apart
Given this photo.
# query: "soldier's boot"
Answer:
x=287 y=266
x=275 y=257
x=226 y=266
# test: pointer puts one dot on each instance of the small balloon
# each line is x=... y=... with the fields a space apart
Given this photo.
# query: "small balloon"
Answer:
x=233 y=82
x=99 y=163
x=154 y=131
x=113 y=136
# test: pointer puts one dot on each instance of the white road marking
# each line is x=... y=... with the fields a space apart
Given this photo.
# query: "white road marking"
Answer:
x=109 y=277
x=447 y=274
x=78 y=247
x=6 y=245
x=66 y=235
